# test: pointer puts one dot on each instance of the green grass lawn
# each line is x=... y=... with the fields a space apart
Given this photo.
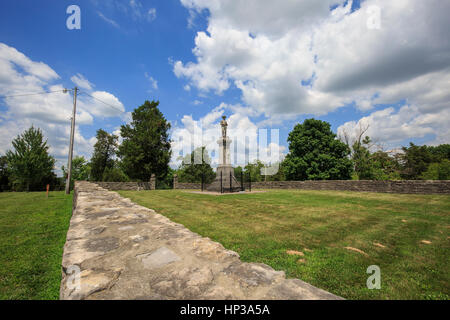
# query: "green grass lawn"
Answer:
x=261 y=227
x=32 y=235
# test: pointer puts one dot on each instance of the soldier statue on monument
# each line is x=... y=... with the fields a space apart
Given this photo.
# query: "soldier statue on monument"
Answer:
x=224 y=125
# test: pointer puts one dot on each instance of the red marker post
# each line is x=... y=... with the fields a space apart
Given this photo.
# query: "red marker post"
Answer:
x=48 y=187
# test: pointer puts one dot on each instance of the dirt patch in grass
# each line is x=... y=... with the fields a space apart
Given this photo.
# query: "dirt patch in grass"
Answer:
x=379 y=245
x=356 y=250
x=293 y=252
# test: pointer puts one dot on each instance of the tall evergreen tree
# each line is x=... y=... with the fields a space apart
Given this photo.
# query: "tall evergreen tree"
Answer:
x=146 y=146
x=30 y=164
x=363 y=164
x=103 y=157
x=316 y=154
x=416 y=159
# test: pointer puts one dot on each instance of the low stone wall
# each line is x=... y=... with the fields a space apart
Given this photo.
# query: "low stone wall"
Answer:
x=401 y=186
x=115 y=186
x=120 y=250
x=187 y=185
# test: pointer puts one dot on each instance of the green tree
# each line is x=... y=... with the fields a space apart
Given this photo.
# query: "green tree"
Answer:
x=279 y=176
x=364 y=167
x=441 y=152
x=362 y=160
x=4 y=175
x=384 y=166
x=254 y=169
x=115 y=174
x=437 y=171
x=146 y=146
x=195 y=165
x=416 y=160
x=167 y=181
x=103 y=157
x=316 y=154
x=237 y=172
x=81 y=170
x=444 y=170
x=30 y=164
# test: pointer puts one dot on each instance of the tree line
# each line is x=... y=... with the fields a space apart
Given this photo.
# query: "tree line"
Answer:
x=315 y=153
x=144 y=150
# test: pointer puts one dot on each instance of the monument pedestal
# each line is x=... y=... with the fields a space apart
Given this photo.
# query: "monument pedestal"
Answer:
x=225 y=180
x=225 y=172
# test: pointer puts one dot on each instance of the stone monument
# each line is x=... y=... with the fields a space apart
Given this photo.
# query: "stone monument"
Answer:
x=225 y=179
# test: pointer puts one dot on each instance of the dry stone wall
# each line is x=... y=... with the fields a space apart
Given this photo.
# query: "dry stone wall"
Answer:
x=115 y=186
x=116 y=249
x=187 y=185
x=401 y=186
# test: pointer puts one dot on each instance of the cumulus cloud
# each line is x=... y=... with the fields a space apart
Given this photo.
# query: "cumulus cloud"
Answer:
x=52 y=111
x=249 y=143
x=388 y=127
x=103 y=104
x=271 y=18
x=291 y=58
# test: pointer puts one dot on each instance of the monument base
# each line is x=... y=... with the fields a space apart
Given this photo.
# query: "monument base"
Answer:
x=224 y=171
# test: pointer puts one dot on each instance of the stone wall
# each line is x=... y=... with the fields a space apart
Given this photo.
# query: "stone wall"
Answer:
x=115 y=186
x=401 y=186
x=187 y=185
x=120 y=250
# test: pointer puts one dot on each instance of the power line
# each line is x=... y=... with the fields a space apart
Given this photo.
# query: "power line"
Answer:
x=30 y=94
x=64 y=90
x=110 y=105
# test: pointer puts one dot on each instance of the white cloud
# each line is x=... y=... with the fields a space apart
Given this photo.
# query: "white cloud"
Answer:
x=151 y=14
x=153 y=82
x=108 y=20
x=136 y=9
x=205 y=131
x=298 y=57
x=11 y=58
x=51 y=112
x=389 y=127
x=271 y=18
x=81 y=82
x=133 y=9
x=105 y=104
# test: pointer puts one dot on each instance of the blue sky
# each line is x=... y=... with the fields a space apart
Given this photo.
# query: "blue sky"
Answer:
x=252 y=63
x=114 y=59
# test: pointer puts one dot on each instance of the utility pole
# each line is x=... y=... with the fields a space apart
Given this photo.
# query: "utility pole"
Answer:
x=72 y=133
